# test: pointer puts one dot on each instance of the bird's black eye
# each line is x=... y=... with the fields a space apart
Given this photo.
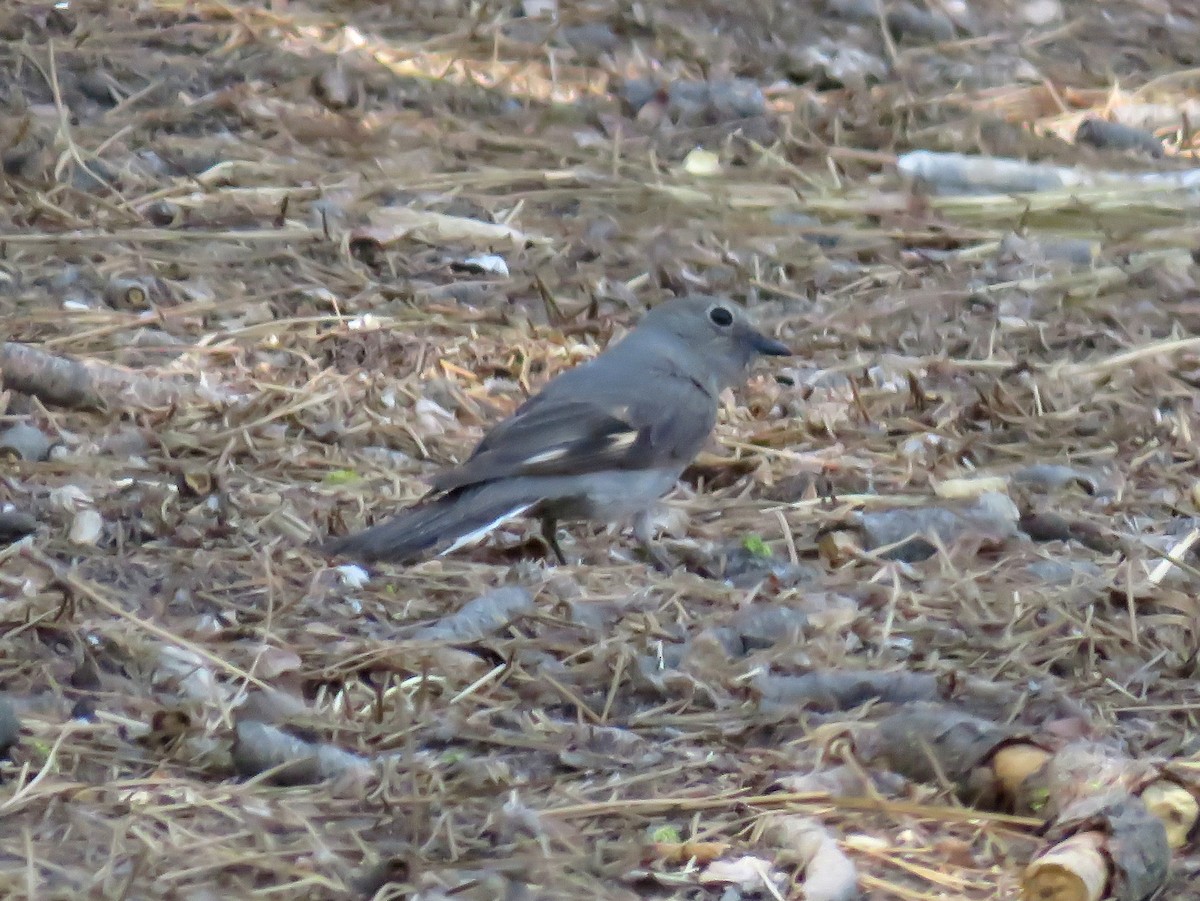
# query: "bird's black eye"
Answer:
x=720 y=316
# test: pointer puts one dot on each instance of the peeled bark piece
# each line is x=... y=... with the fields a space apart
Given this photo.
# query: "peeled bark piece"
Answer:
x=1056 y=477
x=608 y=747
x=1175 y=807
x=844 y=782
x=1073 y=251
x=829 y=690
x=1075 y=870
x=1015 y=763
x=1135 y=841
x=747 y=873
x=1079 y=771
x=258 y=748
x=87 y=527
x=900 y=533
x=483 y=616
x=957 y=173
x=829 y=875
x=1053 y=527
x=932 y=743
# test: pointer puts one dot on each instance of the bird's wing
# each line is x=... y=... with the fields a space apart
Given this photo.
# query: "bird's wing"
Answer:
x=661 y=421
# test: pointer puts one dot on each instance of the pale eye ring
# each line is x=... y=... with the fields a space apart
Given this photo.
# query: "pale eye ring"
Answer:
x=721 y=317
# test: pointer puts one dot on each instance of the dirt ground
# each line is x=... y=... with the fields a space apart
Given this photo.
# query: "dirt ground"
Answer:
x=311 y=250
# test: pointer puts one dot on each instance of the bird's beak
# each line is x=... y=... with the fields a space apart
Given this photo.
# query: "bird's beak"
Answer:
x=768 y=346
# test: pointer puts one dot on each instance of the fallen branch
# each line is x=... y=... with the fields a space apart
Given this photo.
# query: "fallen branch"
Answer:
x=91 y=384
x=961 y=173
x=1111 y=822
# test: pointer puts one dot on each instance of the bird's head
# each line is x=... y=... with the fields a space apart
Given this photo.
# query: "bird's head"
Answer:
x=717 y=330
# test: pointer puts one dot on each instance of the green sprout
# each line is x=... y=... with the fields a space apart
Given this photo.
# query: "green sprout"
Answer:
x=756 y=546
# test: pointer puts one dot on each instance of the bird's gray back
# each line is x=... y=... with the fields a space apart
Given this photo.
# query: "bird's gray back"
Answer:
x=631 y=408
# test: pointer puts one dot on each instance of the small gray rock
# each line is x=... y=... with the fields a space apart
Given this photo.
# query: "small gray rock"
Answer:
x=634 y=93
x=25 y=442
x=591 y=40
x=1105 y=135
x=744 y=569
x=908 y=21
x=10 y=725
x=723 y=100
x=1063 y=572
x=736 y=98
x=15 y=525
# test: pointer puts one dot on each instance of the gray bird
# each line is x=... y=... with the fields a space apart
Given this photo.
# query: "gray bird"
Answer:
x=603 y=441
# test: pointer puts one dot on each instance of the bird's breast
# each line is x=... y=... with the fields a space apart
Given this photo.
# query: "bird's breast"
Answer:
x=610 y=495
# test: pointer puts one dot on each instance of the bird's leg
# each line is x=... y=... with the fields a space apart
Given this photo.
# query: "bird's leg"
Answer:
x=550 y=536
x=659 y=558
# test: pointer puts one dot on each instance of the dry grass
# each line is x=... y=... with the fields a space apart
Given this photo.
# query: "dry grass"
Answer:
x=356 y=360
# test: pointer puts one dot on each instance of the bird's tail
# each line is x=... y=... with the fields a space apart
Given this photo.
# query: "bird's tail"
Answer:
x=447 y=523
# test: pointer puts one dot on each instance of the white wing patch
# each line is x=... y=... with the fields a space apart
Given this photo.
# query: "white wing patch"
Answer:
x=472 y=537
x=613 y=444
x=546 y=456
x=623 y=441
